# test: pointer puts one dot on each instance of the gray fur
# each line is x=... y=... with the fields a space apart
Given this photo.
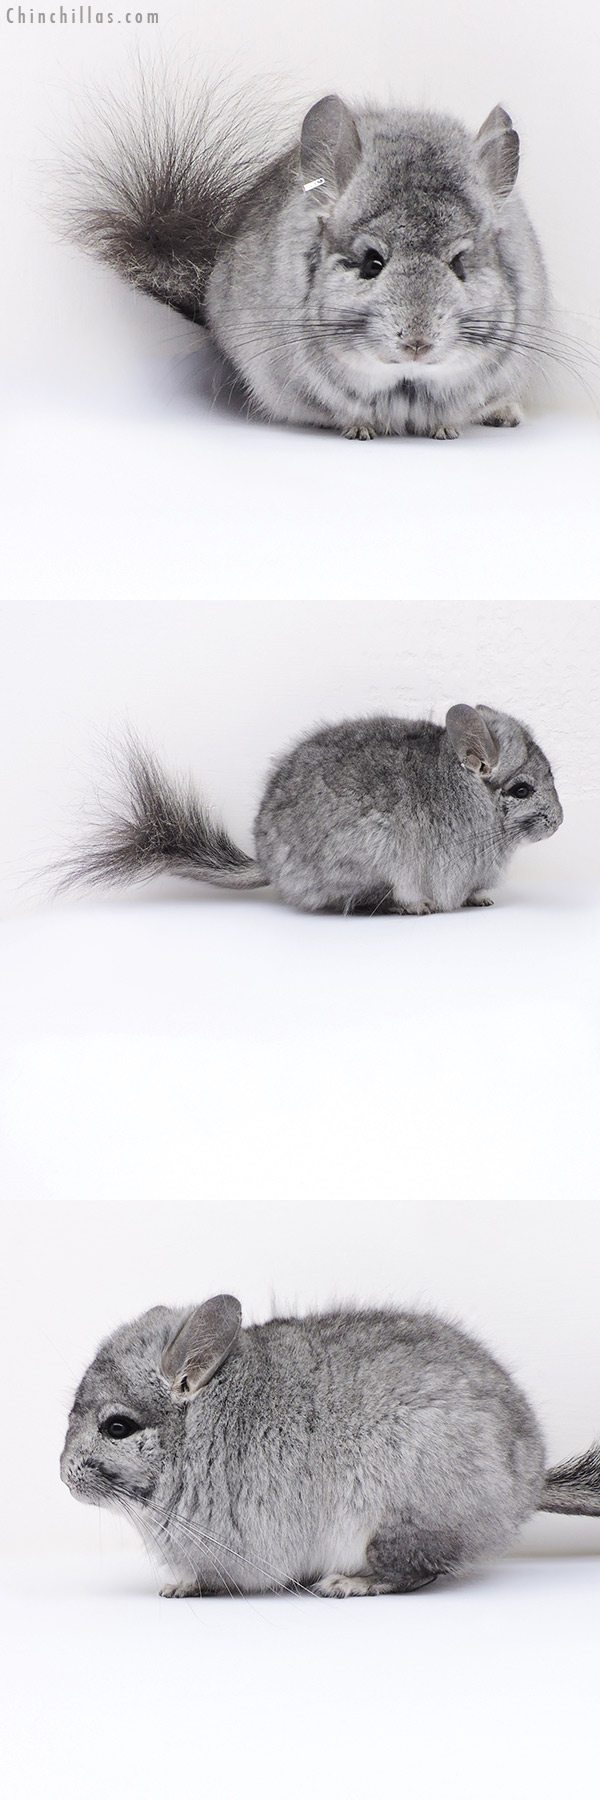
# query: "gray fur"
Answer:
x=274 y=261
x=154 y=189
x=379 y=814
x=351 y=1452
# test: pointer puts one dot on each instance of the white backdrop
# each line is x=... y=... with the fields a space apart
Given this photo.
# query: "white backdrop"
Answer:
x=539 y=60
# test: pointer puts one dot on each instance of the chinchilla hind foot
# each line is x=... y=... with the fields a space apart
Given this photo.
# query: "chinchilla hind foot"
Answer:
x=350 y=1587
x=364 y=1587
x=508 y=415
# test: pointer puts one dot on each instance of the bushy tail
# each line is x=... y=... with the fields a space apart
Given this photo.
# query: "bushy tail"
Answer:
x=573 y=1487
x=154 y=186
x=164 y=828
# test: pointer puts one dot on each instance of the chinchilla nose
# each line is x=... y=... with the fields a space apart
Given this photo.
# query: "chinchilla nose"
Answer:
x=66 y=1472
x=415 y=346
x=553 y=817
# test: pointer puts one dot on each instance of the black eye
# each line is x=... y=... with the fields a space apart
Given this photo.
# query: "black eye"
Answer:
x=371 y=265
x=458 y=268
x=118 y=1426
x=520 y=791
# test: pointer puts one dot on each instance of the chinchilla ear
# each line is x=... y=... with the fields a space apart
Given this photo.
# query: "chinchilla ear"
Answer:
x=469 y=736
x=330 y=149
x=201 y=1343
x=498 y=152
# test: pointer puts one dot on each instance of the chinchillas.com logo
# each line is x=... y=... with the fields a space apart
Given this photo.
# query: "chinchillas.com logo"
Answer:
x=76 y=15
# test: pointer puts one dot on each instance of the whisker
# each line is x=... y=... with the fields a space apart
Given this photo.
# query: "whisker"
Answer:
x=148 y=1529
x=381 y=902
x=535 y=350
x=201 y=1542
x=537 y=337
x=202 y=1536
x=152 y=1535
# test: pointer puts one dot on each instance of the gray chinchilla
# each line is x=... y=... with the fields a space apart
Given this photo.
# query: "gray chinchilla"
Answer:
x=379 y=276
x=376 y=814
x=352 y=1453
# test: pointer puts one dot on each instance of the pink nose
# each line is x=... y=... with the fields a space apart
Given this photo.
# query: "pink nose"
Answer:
x=416 y=346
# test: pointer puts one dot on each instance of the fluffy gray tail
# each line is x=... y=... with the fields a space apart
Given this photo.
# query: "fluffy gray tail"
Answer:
x=164 y=828
x=573 y=1487
x=155 y=188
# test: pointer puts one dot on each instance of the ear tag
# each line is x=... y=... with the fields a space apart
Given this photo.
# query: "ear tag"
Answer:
x=309 y=185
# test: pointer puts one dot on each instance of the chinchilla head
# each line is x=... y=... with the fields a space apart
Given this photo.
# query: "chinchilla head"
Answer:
x=409 y=267
x=127 y=1426
x=501 y=752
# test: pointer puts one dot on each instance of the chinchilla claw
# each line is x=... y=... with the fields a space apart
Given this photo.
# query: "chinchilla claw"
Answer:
x=180 y=1590
x=362 y=432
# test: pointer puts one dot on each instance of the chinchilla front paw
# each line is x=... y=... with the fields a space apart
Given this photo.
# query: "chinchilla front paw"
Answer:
x=363 y=432
x=444 y=431
x=181 y=1590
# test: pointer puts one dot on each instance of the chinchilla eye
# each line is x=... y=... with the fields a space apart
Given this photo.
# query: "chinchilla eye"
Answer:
x=458 y=268
x=118 y=1426
x=371 y=265
x=520 y=791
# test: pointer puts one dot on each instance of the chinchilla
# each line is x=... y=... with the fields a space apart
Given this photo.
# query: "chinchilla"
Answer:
x=378 y=276
x=374 y=815
x=350 y=1452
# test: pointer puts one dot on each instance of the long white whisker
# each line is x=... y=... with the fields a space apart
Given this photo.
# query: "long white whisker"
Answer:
x=148 y=1525
x=200 y=1535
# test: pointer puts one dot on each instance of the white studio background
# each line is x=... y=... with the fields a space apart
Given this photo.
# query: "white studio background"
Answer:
x=524 y=1279
x=218 y=690
x=65 y=320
